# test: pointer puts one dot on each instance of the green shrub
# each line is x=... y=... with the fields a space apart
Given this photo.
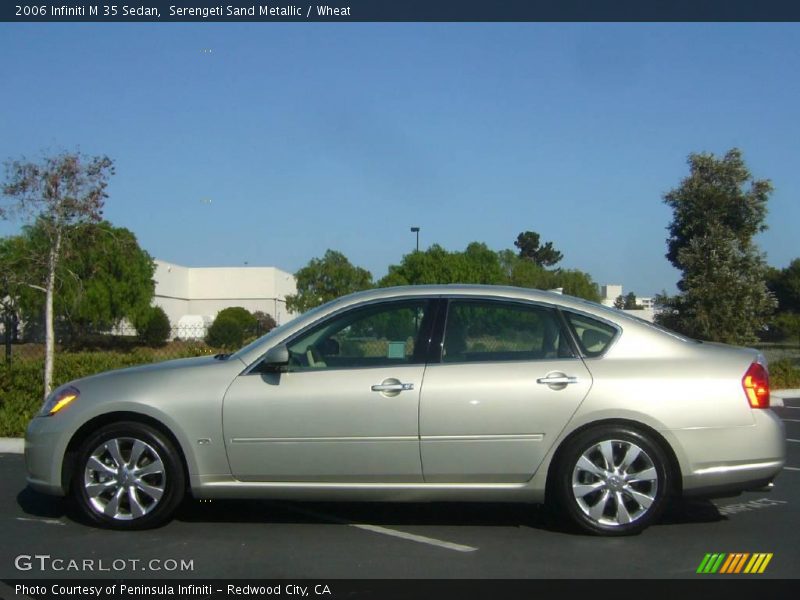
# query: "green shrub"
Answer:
x=264 y=323
x=784 y=375
x=231 y=327
x=155 y=327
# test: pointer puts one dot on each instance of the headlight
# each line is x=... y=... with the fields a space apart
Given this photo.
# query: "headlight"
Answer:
x=59 y=399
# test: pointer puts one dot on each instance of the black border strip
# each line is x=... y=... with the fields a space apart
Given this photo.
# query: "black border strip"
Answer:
x=708 y=587
x=407 y=11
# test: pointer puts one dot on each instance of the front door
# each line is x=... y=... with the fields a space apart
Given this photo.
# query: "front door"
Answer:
x=347 y=409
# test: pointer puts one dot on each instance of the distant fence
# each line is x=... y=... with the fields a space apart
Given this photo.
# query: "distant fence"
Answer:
x=181 y=342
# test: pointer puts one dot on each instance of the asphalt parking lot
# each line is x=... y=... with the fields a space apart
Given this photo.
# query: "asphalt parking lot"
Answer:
x=264 y=539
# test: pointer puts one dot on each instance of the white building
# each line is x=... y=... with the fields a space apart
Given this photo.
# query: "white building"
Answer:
x=646 y=303
x=610 y=292
x=192 y=296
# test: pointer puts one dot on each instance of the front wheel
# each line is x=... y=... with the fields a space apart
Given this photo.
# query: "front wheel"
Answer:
x=612 y=480
x=128 y=476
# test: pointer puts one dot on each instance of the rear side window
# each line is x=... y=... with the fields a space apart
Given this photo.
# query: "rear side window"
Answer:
x=489 y=331
x=594 y=337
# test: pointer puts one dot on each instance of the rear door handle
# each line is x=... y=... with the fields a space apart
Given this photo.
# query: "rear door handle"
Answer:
x=557 y=380
x=392 y=387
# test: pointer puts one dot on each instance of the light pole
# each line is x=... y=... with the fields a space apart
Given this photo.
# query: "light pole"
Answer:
x=416 y=230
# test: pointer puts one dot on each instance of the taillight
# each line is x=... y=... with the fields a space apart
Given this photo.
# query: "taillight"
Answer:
x=756 y=386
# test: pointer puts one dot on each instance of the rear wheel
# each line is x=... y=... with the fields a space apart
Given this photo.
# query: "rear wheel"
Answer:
x=612 y=480
x=128 y=476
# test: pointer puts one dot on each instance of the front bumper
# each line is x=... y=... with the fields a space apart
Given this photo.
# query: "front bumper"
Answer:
x=45 y=446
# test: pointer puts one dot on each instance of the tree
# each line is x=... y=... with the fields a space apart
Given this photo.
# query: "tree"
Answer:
x=576 y=283
x=12 y=286
x=786 y=326
x=785 y=285
x=327 y=278
x=104 y=278
x=264 y=322
x=61 y=192
x=530 y=249
x=717 y=210
x=480 y=265
x=230 y=328
x=153 y=326
x=627 y=302
x=476 y=264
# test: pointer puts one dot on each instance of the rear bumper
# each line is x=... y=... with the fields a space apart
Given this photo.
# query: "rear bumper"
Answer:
x=729 y=460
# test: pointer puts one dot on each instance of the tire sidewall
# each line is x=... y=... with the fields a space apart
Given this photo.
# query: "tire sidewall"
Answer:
x=173 y=471
x=575 y=448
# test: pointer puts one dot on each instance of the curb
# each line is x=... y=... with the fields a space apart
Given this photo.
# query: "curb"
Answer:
x=17 y=445
x=12 y=445
x=776 y=397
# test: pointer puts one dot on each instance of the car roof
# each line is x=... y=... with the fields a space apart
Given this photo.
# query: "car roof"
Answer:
x=459 y=289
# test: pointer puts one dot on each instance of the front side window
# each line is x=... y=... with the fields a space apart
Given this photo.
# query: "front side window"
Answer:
x=388 y=333
x=487 y=331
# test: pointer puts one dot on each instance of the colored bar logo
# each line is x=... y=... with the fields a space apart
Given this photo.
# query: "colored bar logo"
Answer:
x=734 y=563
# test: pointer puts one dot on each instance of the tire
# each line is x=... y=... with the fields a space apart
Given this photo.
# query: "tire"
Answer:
x=612 y=480
x=127 y=476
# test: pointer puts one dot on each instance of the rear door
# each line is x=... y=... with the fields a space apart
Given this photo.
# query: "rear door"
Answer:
x=507 y=384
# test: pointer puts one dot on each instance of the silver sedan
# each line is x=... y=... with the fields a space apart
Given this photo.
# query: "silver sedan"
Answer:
x=449 y=393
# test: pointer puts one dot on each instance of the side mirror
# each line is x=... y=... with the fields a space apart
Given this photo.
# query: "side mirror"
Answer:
x=276 y=357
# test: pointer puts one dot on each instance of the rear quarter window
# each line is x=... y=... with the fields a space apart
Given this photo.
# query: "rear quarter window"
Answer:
x=594 y=336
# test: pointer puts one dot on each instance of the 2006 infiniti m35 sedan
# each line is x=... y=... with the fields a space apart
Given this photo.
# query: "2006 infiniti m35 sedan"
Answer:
x=422 y=393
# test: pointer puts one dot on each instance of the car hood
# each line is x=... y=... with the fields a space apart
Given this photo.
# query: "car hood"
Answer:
x=167 y=368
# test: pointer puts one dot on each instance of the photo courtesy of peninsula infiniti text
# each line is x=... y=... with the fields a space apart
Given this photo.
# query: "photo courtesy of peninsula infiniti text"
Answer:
x=423 y=393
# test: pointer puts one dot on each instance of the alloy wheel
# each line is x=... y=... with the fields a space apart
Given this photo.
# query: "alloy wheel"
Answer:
x=615 y=482
x=124 y=478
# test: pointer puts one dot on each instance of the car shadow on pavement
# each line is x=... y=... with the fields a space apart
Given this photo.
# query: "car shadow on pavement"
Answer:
x=385 y=514
x=35 y=504
x=414 y=514
x=691 y=511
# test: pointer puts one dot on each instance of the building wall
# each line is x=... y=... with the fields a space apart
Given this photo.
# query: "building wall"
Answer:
x=205 y=291
x=609 y=293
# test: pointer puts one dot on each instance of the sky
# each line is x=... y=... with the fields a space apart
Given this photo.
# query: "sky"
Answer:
x=268 y=143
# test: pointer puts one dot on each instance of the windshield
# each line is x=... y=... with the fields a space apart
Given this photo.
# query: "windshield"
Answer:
x=277 y=331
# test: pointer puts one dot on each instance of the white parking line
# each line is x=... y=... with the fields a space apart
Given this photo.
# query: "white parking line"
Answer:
x=791 y=420
x=385 y=531
x=46 y=521
x=793 y=441
x=414 y=538
x=791 y=468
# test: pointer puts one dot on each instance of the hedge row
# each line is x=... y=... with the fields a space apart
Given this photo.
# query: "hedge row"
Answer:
x=21 y=385
x=784 y=375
